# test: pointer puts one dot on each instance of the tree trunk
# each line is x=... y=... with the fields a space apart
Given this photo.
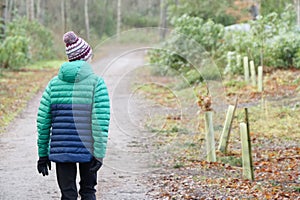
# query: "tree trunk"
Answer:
x=2 y=19
x=161 y=13
x=11 y=10
x=119 y=21
x=149 y=5
x=38 y=10
x=297 y=5
x=163 y=19
x=30 y=9
x=87 y=24
x=63 y=21
x=43 y=8
x=68 y=24
x=103 y=21
x=6 y=13
x=21 y=7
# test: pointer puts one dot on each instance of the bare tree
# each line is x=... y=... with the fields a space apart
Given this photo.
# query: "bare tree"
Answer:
x=149 y=5
x=2 y=18
x=5 y=14
x=21 y=7
x=87 y=24
x=163 y=18
x=63 y=21
x=11 y=10
x=119 y=20
x=297 y=5
x=30 y=9
x=38 y=10
x=68 y=24
x=42 y=11
x=103 y=21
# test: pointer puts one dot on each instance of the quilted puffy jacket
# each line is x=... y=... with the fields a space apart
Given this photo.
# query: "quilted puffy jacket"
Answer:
x=73 y=116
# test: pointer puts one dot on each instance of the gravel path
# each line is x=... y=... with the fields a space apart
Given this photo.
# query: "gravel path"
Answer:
x=126 y=162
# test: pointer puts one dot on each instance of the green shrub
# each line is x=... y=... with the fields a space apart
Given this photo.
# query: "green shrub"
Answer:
x=40 y=38
x=297 y=59
x=282 y=51
x=14 y=52
x=189 y=42
x=25 y=41
x=207 y=33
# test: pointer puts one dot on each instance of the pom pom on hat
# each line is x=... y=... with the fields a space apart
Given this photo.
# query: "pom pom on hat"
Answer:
x=76 y=47
x=70 y=38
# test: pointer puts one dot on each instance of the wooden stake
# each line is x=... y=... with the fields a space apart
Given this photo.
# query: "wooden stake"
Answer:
x=260 y=79
x=246 y=149
x=253 y=73
x=246 y=69
x=227 y=128
x=247 y=120
x=210 y=138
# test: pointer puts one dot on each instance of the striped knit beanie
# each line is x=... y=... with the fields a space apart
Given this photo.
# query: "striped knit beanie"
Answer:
x=76 y=47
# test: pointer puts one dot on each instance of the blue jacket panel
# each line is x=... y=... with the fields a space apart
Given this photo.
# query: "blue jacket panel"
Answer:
x=71 y=134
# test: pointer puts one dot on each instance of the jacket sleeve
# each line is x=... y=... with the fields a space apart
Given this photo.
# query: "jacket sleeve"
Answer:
x=100 y=118
x=44 y=123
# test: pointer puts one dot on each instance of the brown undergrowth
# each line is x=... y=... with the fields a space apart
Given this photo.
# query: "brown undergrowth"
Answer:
x=17 y=87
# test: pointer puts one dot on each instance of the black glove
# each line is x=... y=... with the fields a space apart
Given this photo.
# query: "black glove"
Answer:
x=96 y=164
x=43 y=164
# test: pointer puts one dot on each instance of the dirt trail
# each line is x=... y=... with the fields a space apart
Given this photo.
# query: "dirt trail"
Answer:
x=124 y=166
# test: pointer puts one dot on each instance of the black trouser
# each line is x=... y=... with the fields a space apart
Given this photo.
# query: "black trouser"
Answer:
x=66 y=178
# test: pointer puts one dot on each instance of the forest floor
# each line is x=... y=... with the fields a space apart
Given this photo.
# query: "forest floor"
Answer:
x=180 y=135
